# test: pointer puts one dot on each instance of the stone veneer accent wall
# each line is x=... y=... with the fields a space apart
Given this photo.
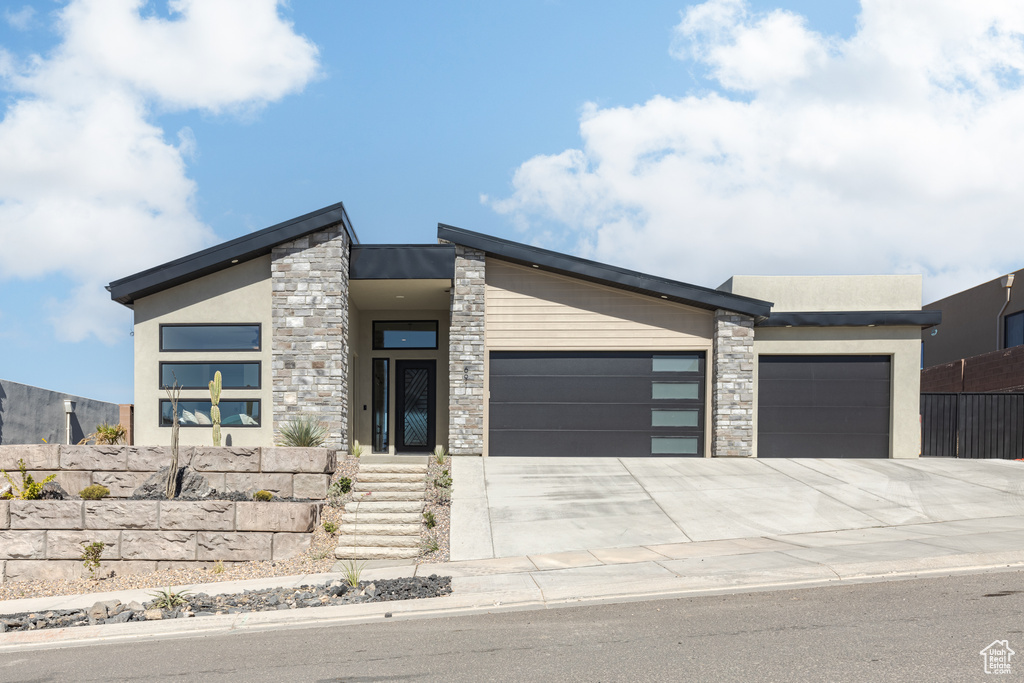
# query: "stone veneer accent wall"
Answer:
x=466 y=354
x=732 y=382
x=310 y=336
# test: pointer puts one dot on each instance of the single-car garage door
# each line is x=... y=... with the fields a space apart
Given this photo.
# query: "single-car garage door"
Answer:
x=596 y=404
x=823 y=407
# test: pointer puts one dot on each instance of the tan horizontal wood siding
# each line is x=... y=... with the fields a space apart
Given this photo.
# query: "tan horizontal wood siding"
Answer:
x=530 y=309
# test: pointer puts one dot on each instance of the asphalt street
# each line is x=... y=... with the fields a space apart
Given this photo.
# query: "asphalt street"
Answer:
x=912 y=630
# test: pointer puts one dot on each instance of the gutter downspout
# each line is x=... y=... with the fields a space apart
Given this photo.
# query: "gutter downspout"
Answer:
x=1007 y=283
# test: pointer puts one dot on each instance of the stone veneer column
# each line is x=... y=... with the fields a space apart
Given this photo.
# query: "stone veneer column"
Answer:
x=732 y=381
x=466 y=355
x=310 y=336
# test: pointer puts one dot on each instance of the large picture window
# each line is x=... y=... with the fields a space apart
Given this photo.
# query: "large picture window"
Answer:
x=402 y=334
x=198 y=375
x=197 y=413
x=1013 y=333
x=202 y=337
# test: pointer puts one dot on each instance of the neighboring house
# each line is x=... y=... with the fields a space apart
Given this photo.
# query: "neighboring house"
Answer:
x=32 y=415
x=979 y=347
x=491 y=347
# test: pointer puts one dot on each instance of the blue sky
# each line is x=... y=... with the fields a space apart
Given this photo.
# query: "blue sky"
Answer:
x=738 y=137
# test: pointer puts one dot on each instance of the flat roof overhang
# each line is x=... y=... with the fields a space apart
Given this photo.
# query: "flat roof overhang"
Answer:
x=401 y=262
x=852 y=319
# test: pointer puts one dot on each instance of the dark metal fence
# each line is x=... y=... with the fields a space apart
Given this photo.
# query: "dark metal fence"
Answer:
x=972 y=425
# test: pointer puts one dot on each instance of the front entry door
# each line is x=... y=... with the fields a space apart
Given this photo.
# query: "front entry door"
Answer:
x=415 y=405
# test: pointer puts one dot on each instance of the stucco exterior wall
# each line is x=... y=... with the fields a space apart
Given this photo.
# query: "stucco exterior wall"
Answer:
x=29 y=414
x=900 y=343
x=971 y=324
x=239 y=294
x=802 y=293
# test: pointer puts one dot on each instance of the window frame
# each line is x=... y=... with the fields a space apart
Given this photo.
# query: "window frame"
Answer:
x=259 y=338
x=257 y=363
x=1006 y=329
x=162 y=401
x=373 y=336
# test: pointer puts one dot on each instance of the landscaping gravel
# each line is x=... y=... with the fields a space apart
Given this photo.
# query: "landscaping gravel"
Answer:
x=265 y=600
x=439 y=504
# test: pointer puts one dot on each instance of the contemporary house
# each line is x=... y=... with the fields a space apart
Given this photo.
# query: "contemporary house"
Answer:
x=495 y=348
x=979 y=347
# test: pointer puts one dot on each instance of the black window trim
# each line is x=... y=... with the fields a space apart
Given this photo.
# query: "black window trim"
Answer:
x=160 y=413
x=373 y=336
x=259 y=338
x=257 y=363
x=386 y=441
x=1006 y=328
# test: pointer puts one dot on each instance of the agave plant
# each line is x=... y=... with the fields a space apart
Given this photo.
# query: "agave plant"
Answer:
x=304 y=431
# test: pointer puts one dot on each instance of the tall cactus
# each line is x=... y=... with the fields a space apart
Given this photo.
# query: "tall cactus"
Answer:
x=214 y=408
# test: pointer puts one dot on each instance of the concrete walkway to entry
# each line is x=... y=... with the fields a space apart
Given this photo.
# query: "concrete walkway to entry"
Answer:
x=512 y=507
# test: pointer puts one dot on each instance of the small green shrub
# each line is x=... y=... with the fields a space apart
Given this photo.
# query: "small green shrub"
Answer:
x=430 y=544
x=263 y=495
x=91 y=554
x=168 y=599
x=340 y=487
x=357 y=450
x=94 y=492
x=352 y=570
x=429 y=520
x=30 y=489
x=330 y=527
x=107 y=435
x=443 y=480
x=304 y=431
x=439 y=455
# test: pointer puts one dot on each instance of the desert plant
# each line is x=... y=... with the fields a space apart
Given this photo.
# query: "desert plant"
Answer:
x=357 y=450
x=304 y=431
x=218 y=567
x=352 y=569
x=107 y=435
x=429 y=519
x=94 y=492
x=263 y=495
x=430 y=544
x=30 y=489
x=439 y=455
x=330 y=527
x=168 y=599
x=91 y=554
x=340 y=487
x=443 y=480
x=215 y=385
x=173 y=393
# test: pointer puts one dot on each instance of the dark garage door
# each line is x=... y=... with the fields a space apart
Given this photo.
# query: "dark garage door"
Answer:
x=823 y=407
x=596 y=404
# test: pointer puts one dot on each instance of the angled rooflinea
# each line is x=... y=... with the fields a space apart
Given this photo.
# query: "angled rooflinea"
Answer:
x=600 y=273
x=259 y=243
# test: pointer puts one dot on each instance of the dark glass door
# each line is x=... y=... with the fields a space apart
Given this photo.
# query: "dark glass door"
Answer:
x=415 y=405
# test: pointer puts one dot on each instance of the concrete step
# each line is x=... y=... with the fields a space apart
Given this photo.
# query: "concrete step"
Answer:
x=411 y=477
x=390 y=495
x=361 y=553
x=360 y=486
x=382 y=518
x=393 y=468
x=380 y=529
x=370 y=507
x=362 y=541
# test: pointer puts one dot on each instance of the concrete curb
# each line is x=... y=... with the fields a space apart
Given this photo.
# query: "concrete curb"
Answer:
x=502 y=599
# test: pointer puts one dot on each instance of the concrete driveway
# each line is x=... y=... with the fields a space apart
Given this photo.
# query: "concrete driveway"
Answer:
x=506 y=507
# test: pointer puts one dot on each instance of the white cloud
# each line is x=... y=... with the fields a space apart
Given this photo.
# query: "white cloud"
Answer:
x=20 y=19
x=899 y=149
x=90 y=187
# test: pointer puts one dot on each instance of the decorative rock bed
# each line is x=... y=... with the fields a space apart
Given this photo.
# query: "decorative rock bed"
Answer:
x=266 y=600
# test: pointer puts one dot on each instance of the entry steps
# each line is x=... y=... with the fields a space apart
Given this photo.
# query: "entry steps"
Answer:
x=384 y=518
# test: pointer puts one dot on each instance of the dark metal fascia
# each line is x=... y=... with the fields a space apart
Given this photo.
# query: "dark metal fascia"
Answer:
x=402 y=262
x=220 y=256
x=601 y=273
x=852 y=319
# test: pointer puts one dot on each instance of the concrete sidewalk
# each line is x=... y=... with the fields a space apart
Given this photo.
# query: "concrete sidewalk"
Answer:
x=594 y=576
x=507 y=507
